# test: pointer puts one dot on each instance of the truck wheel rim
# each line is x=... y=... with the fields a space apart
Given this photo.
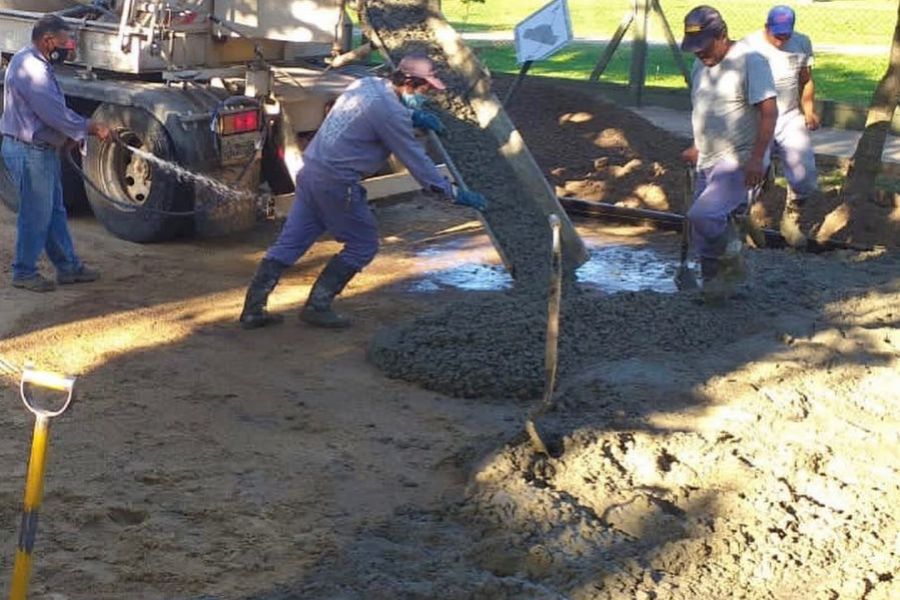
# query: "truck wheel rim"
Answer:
x=133 y=174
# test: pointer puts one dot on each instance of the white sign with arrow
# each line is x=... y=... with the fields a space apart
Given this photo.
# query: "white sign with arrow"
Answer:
x=543 y=32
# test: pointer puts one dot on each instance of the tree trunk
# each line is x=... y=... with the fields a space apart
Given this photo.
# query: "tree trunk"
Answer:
x=867 y=158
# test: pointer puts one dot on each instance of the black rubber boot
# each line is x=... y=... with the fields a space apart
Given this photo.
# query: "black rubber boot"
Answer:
x=709 y=268
x=255 y=314
x=331 y=282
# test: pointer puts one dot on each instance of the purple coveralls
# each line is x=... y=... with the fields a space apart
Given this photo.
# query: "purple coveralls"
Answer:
x=367 y=123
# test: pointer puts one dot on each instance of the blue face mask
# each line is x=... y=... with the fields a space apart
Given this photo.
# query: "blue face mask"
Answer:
x=414 y=101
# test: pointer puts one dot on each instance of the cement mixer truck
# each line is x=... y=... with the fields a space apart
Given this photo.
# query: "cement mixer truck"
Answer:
x=230 y=89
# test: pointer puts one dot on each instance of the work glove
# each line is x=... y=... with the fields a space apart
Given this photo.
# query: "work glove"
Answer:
x=422 y=119
x=470 y=198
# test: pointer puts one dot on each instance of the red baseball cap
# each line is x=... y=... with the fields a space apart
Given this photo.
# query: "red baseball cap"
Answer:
x=421 y=67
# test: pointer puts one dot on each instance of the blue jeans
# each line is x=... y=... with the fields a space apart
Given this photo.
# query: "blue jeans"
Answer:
x=322 y=204
x=41 y=223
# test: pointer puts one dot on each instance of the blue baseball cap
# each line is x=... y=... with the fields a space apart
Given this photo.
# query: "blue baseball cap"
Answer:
x=781 y=20
x=702 y=25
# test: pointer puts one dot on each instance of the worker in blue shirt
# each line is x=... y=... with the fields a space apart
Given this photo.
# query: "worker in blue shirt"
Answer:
x=371 y=119
x=36 y=124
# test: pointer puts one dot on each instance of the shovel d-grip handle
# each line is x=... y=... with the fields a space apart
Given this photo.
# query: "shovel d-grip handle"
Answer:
x=37 y=461
x=32 y=378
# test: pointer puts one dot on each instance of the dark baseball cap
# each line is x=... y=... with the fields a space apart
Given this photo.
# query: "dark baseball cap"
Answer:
x=702 y=25
x=781 y=20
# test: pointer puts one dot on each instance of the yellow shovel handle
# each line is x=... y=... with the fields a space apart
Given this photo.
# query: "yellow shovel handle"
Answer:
x=34 y=491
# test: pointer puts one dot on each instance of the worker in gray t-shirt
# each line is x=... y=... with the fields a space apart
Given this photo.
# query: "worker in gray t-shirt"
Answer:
x=733 y=117
x=790 y=57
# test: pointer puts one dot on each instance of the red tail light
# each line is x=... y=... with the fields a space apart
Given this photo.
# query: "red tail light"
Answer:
x=240 y=122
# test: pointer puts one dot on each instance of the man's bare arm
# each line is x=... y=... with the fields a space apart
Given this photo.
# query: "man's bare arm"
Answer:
x=768 y=114
x=808 y=98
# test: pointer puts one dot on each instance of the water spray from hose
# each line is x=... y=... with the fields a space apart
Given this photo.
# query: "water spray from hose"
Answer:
x=222 y=191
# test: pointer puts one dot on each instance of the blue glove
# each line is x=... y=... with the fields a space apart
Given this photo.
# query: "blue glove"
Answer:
x=470 y=198
x=423 y=119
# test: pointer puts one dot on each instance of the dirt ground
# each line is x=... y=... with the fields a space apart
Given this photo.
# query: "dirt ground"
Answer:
x=742 y=452
x=590 y=149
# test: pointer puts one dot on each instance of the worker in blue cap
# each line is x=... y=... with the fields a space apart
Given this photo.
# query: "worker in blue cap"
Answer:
x=733 y=117
x=790 y=57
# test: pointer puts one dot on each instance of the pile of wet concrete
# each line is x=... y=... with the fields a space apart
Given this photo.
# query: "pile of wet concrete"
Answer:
x=484 y=346
x=492 y=345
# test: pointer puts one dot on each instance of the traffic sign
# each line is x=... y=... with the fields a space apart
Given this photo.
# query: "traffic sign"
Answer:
x=543 y=32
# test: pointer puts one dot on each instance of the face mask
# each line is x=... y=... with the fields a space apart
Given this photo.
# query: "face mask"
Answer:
x=414 y=101
x=58 y=56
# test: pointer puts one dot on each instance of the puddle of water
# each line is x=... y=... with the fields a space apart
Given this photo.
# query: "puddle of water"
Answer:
x=612 y=267
x=444 y=272
x=620 y=268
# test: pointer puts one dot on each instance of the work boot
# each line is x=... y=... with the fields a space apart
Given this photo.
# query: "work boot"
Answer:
x=721 y=276
x=790 y=221
x=255 y=314
x=35 y=283
x=331 y=282
x=715 y=288
x=82 y=275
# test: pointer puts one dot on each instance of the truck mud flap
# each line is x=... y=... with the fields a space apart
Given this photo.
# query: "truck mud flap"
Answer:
x=216 y=216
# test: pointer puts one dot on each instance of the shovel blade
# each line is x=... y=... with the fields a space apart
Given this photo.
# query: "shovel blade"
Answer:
x=542 y=440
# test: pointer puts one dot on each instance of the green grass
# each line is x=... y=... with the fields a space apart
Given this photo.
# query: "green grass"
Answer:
x=850 y=79
x=840 y=77
x=848 y=22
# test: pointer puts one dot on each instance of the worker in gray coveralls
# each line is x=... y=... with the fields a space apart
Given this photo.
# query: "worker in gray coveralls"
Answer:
x=733 y=118
x=371 y=119
x=790 y=57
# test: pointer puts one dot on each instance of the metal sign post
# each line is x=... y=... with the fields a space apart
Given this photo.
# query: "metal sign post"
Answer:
x=538 y=37
x=637 y=74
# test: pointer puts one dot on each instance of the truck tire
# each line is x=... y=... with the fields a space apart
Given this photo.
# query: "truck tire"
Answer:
x=74 y=192
x=132 y=181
